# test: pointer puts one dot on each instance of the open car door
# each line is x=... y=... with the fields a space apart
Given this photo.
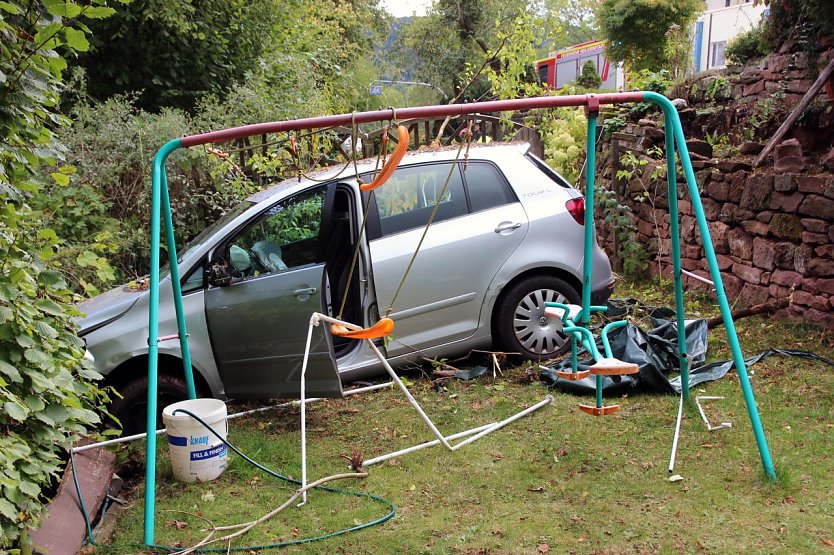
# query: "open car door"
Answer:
x=258 y=323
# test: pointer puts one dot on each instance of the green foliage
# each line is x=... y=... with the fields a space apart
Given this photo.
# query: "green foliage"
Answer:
x=111 y=185
x=78 y=215
x=564 y=132
x=646 y=80
x=569 y=22
x=46 y=387
x=304 y=72
x=614 y=123
x=633 y=168
x=767 y=114
x=515 y=76
x=804 y=22
x=678 y=50
x=177 y=50
x=746 y=46
x=720 y=143
x=184 y=50
x=589 y=79
x=635 y=31
x=718 y=88
x=299 y=220
x=457 y=35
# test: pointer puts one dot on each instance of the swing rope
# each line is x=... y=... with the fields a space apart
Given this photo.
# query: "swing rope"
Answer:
x=362 y=227
x=432 y=215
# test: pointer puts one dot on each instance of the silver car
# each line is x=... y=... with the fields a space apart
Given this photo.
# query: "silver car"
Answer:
x=507 y=237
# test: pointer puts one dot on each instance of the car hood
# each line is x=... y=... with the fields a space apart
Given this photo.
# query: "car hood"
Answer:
x=106 y=307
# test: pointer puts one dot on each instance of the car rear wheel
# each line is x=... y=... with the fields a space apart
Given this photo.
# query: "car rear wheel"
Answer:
x=521 y=324
x=132 y=408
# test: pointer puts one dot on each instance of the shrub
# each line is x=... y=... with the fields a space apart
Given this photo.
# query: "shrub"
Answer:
x=47 y=389
x=746 y=46
x=589 y=78
x=112 y=146
x=563 y=133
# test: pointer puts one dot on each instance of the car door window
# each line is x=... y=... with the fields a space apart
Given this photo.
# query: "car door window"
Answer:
x=407 y=200
x=487 y=187
x=282 y=238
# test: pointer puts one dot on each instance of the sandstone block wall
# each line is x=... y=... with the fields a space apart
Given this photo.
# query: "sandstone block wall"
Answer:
x=772 y=227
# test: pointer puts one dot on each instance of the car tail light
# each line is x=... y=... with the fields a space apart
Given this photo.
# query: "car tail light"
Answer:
x=576 y=207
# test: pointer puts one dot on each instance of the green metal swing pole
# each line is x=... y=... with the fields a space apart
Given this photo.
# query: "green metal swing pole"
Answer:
x=673 y=121
x=587 y=260
x=159 y=182
x=174 y=267
x=677 y=274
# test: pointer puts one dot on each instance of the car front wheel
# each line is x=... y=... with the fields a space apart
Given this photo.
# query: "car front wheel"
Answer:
x=521 y=324
x=132 y=408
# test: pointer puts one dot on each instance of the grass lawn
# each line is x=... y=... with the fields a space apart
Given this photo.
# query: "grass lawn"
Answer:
x=556 y=481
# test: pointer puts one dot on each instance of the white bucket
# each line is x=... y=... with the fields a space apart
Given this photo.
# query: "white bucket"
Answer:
x=196 y=453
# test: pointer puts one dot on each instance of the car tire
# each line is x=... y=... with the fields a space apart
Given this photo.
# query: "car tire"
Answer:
x=521 y=326
x=132 y=408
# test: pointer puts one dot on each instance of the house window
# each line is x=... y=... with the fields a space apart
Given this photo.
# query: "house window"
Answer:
x=718 y=54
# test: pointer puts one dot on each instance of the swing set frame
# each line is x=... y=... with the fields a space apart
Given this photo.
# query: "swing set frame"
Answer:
x=161 y=212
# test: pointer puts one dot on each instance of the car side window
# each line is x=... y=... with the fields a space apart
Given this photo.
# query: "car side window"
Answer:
x=487 y=187
x=283 y=237
x=194 y=281
x=408 y=198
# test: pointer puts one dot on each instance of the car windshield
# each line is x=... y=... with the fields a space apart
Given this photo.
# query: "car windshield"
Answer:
x=200 y=239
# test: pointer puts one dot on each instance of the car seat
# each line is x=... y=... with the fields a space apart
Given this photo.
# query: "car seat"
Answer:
x=269 y=255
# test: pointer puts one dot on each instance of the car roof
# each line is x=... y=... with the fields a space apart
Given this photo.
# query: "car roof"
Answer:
x=425 y=154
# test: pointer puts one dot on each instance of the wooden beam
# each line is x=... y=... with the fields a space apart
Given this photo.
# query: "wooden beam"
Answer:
x=788 y=123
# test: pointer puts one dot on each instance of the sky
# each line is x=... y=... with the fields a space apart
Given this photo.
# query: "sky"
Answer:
x=403 y=8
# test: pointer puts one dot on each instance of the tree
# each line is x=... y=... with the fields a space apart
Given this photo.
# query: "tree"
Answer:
x=569 y=22
x=635 y=31
x=176 y=51
x=47 y=391
x=456 y=38
x=589 y=78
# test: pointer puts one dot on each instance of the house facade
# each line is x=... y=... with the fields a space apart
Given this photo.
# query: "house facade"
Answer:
x=723 y=20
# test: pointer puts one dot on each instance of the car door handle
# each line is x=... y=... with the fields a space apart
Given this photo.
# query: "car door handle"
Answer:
x=507 y=226
x=305 y=291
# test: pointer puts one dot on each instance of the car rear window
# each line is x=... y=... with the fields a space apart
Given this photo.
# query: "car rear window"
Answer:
x=547 y=170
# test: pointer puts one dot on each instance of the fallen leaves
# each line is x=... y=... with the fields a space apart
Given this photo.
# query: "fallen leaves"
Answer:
x=543 y=548
x=496 y=455
x=179 y=524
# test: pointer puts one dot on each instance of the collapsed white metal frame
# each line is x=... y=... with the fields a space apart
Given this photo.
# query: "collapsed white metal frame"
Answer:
x=470 y=435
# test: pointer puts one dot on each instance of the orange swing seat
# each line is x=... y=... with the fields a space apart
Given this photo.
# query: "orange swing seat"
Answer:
x=382 y=328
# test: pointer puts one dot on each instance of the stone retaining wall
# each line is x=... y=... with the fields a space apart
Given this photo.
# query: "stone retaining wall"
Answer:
x=773 y=229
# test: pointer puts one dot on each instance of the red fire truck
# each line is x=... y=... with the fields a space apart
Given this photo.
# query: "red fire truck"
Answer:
x=564 y=66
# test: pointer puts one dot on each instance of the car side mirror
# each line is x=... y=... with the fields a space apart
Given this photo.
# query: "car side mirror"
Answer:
x=219 y=274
